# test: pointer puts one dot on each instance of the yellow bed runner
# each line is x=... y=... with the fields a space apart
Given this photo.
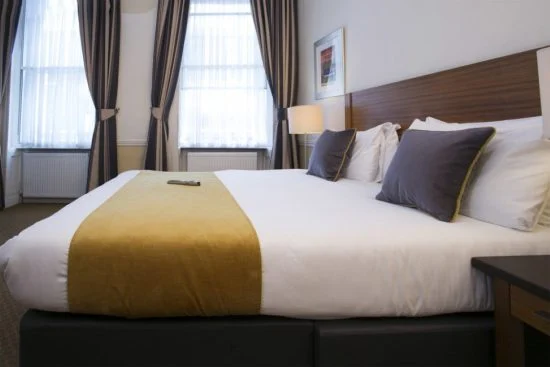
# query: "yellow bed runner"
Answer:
x=159 y=250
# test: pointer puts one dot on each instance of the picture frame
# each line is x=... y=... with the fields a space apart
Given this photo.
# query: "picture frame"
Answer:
x=329 y=65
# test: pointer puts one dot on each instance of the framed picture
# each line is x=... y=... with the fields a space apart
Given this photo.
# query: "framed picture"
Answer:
x=329 y=65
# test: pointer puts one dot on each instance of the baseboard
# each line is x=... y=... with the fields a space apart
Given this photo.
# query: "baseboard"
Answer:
x=46 y=201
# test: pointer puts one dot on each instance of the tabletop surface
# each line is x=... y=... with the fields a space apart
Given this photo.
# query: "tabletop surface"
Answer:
x=531 y=273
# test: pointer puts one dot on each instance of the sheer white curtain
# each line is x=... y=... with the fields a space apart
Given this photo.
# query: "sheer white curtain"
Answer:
x=56 y=107
x=223 y=89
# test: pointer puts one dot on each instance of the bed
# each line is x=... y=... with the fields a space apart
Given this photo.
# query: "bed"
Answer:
x=328 y=260
x=421 y=270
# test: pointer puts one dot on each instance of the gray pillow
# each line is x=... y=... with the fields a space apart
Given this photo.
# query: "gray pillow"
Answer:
x=430 y=169
x=331 y=154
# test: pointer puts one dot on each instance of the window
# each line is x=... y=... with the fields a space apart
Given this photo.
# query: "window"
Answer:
x=56 y=109
x=225 y=101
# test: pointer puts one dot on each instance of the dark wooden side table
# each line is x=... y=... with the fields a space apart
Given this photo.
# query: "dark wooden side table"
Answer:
x=521 y=286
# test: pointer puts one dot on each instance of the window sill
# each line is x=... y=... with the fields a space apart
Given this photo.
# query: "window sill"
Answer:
x=52 y=150
x=212 y=149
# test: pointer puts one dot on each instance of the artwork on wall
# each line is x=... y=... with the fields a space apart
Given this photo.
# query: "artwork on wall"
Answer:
x=329 y=65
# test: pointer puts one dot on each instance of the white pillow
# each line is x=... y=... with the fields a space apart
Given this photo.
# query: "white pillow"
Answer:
x=510 y=189
x=389 y=147
x=365 y=154
x=511 y=181
x=525 y=129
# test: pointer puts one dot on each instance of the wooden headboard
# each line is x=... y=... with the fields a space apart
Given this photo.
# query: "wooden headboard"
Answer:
x=498 y=89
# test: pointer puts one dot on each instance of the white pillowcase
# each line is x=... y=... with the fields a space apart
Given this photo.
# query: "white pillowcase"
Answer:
x=511 y=181
x=365 y=156
x=510 y=189
x=389 y=147
x=525 y=129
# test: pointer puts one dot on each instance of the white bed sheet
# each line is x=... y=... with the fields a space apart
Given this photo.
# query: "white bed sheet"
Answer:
x=329 y=250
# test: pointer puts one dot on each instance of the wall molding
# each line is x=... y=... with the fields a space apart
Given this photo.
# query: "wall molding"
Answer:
x=132 y=143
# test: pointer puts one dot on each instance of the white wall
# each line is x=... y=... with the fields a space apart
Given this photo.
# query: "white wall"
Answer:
x=134 y=89
x=137 y=34
x=391 y=40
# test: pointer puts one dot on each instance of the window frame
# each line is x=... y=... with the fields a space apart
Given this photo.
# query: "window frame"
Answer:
x=265 y=88
x=18 y=68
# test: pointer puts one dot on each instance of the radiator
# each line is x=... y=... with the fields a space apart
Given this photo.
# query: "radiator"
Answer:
x=54 y=175
x=216 y=161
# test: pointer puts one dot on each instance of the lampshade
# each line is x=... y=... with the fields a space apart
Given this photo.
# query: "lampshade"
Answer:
x=307 y=119
x=543 y=60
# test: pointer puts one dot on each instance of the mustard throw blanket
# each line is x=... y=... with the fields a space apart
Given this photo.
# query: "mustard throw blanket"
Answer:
x=159 y=250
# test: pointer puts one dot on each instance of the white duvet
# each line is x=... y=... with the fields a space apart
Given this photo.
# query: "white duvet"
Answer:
x=329 y=250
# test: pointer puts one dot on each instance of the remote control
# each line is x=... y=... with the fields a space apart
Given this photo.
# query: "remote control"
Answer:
x=184 y=183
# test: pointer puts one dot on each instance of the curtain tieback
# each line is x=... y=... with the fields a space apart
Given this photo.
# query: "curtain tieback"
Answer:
x=107 y=113
x=281 y=114
x=157 y=112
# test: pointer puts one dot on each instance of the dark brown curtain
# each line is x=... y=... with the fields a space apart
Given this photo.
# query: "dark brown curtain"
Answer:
x=172 y=16
x=100 y=35
x=276 y=26
x=9 y=18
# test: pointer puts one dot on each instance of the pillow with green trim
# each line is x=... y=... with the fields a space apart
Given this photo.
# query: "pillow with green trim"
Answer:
x=331 y=154
x=431 y=169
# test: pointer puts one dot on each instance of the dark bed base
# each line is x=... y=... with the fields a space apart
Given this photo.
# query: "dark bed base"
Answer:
x=63 y=340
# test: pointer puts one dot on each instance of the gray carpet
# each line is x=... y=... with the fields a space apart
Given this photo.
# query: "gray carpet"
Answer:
x=12 y=221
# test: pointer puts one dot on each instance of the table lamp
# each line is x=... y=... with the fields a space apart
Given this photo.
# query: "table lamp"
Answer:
x=543 y=61
x=306 y=119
